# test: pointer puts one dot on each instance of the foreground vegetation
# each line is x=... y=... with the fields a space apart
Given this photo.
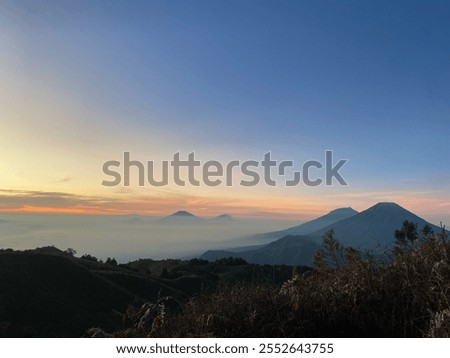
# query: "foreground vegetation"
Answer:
x=405 y=292
x=47 y=292
x=349 y=294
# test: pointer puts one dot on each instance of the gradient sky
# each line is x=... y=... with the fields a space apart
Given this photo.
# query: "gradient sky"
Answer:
x=83 y=81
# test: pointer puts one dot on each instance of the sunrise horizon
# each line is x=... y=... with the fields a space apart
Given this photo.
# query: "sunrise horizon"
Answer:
x=85 y=82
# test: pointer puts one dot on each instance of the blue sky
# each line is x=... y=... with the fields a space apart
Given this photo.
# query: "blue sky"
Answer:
x=367 y=79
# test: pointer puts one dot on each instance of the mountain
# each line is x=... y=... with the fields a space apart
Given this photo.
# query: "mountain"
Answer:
x=182 y=214
x=135 y=219
x=223 y=218
x=321 y=222
x=181 y=217
x=308 y=227
x=290 y=250
x=213 y=255
x=372 y=227
x=289 y=246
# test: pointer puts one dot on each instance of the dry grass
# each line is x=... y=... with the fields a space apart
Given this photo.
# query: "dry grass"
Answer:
x=407 y=297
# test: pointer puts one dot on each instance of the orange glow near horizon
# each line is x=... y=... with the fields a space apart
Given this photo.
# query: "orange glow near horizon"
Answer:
x=284 y=209
x=69 y=210
x=252 y=206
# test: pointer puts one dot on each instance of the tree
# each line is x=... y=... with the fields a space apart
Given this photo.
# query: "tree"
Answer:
x=332 y=252
x=352 y=255
x=427 y=232
x=333 y=249
x=71 y=252
x=319 y=261
x=406 y=238
x=443 y=234
x=89 y=258
x=111 y=261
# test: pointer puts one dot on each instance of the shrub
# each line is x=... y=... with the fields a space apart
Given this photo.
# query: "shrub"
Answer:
x=349 y=295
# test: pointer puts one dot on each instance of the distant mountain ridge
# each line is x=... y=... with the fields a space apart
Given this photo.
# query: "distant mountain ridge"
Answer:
x=223 y=217
x=306 y=228
x=181 y=217
x=182 y=213
x=371 y=229
x=289 y=250
x=185 y=217
x=316 y=224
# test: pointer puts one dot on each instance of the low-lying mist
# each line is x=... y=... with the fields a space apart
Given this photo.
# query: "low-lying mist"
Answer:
x=129 y=237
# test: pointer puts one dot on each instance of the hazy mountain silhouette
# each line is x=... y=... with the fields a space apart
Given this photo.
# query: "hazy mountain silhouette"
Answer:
x=369 y=229
x=182 y=213
x=181 y=217
x=135 y=219
x=372 y=227
x=289 y=250
x=308 y=227
x=298 y=230
x=223 y=218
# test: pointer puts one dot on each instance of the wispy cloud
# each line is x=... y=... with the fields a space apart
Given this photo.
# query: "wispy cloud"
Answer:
x=27 y=200
x=48 y=201
x=64 y=180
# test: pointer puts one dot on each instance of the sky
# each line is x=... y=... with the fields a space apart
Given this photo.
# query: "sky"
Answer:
x=82 y=82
